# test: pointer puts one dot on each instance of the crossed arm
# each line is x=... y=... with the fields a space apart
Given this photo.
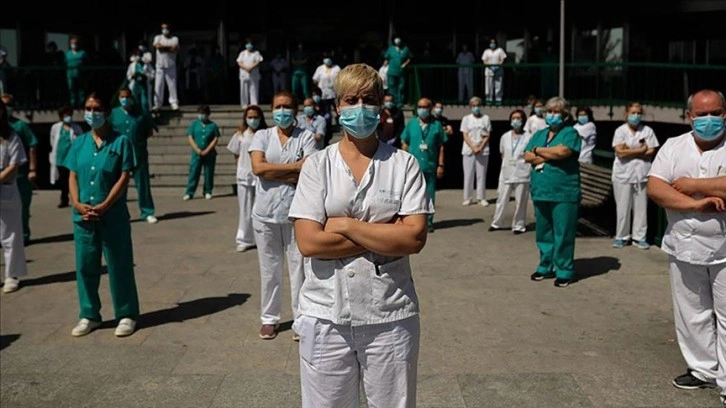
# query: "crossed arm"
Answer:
x=544 y=154
x=641 y=152
x=285 y=172
x=342 y=237
x=678 y=196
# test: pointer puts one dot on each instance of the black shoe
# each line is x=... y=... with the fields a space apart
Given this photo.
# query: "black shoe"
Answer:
x=517 y=232
x=63 y=205
x=562 y=283
x=688 y=381
x=493 y=229
x=431 y=229
x=540 y=276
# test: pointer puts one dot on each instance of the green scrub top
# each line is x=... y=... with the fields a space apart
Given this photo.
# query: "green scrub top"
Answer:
x=73 y=61
x=396 y=56
x=64 y=146
x=299 y=56
x=98 y=168
x=433 y=137
x=559 y=181
x=134 y=124
x=203 y=133
x=27 y=137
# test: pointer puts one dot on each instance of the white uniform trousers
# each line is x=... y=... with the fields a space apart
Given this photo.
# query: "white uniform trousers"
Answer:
x=168 y=76
x=631 y=197
x=248 y=91
x=245 y=232
x=336 y=359
x=699 y=306
x=275 y=242
x=493 y=86
x=11 y=234
x=521 y=194
x=466 y=84
x=475 y=163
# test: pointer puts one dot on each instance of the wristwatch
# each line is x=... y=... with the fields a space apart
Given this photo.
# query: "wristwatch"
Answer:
x=441 y=165
x=535 y=151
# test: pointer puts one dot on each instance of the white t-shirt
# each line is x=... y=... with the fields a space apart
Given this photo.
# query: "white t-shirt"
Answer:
x=632 y=170
x=474 y=127
x=534 y=123
x=368 y=288
x=695 y=238
x=490 y=56
x=324 y=78
x=514 y=168
x=239 y=145
x=249 y=58
x=11 y=152
x=273 y=198
x=166 y=59
x=588 y=134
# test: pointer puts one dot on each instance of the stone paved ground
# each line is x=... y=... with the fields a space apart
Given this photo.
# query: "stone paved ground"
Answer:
x=490 y=336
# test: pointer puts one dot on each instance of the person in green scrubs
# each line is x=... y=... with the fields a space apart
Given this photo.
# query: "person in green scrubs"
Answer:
x=397 y=57
x=100 y=164
x=203 y=138
x=424 y=138
x=300 y=87
x=75 y=58
x=553 y=153
x=130 y=120
x=27 y=173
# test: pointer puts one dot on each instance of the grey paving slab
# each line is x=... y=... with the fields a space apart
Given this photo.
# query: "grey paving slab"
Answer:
x=111 y=359
x=522 y=391
x=160 y=391
x=258 y=390
x=439 y=391
x=46 y=390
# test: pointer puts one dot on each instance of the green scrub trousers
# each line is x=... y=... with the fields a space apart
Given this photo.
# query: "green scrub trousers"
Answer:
x=195 y=169
x=431 y=191
x=143 y=184
x=110 y=236
x=555 y=236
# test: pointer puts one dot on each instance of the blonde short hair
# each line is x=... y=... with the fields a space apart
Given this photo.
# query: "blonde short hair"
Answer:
x=359 y=79
x=560 y=104
x=475 y=99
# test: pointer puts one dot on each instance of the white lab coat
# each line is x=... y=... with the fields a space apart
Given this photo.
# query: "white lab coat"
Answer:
x=54 y=136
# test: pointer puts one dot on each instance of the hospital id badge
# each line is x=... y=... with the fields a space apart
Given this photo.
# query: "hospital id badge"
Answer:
x=423 y=147
x=389 y=120
x=539 y=167
x=512 y=162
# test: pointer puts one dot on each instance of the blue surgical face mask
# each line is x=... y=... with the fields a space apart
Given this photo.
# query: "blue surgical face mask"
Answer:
x=203 y=117
x=328 y=62
x=423 y=113
x=476 y=109
x=388 y=105
x=248 y=47
x=125 y=102
x=359 y=121
x=94 y=119
x=438 y=111
x=708 y=127
x=516 y=124
x=254 y=123
x=67 y=119
x=397 y=41
x=308 y=110
x=634 y=119
x=142 y=48
x=283 y=117
x=538 y=111
x=316 y=98
x=553 y=119
x=492 y=46
x=74 y=46
x=165 y=31
x=583 y=119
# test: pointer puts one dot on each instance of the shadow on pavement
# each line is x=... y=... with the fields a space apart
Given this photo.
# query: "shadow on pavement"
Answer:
x=187 y=310
x=588 y=267
x=52 y=239
x=457 y=223
x=179 y=214
x=57 y=278
x=7 y=339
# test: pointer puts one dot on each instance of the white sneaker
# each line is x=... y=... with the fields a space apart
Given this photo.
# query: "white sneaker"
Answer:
x=84 y=327
x=151 y=219
x=156 y=108
x=244 y=248
x=174 y=106
x=208 y=196
x=11 y=285
x=466 y=202
x=125 y=327
x=186 y=197
x=484 y=203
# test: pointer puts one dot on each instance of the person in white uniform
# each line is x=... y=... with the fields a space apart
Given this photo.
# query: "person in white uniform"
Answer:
x=239 y=145
x=634 y=144
x=324 y=78
x=166 y=46
x=277 y=155
x=536 y=120
x=493 y=58
x=359 y=211
x=249 y=74
x=465 y=73
x=475 y=129
x=585 y=127
x=312 y=121
x=62 y=135
x=12 y=156
x=688 y=179
x=514 y=175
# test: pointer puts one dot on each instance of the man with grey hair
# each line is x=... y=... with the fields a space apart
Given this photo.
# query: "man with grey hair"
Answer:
x=688 y=179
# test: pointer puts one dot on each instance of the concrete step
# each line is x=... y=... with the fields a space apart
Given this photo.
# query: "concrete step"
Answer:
x=223 y=160
x=180 y=180
x=182 y=167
